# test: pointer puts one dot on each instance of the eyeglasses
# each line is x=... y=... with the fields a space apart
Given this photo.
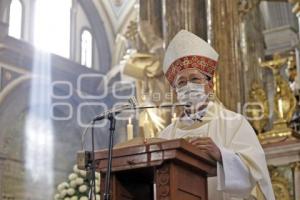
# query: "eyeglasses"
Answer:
x=181 y=81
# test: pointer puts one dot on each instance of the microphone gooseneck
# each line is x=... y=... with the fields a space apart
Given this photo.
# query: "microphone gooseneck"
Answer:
x=116 y=111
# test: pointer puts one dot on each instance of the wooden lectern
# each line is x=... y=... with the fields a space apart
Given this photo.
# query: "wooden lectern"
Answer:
x=164 y=170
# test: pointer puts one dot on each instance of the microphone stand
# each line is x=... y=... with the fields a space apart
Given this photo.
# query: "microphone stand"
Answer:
x=112 y=128
x=110 y=115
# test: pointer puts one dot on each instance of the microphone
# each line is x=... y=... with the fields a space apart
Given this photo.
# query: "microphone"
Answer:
x=133 y=106
x=107 y=113
x=133 y=102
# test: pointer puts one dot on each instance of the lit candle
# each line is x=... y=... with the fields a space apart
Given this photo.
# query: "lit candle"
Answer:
x=146 y=127
x=174 y=118
x=129 y=130
x=280 y=108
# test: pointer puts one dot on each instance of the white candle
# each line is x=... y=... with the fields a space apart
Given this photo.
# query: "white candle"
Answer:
x=174 y=118
x=280 y=109
x=129 y=130
x=147 y=127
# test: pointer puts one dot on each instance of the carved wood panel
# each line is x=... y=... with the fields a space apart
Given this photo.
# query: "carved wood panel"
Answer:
x=163 y=182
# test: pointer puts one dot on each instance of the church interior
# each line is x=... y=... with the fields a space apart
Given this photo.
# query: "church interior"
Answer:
x=62 y=62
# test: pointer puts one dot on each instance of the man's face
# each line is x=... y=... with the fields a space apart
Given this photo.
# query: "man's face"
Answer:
x=194 y=76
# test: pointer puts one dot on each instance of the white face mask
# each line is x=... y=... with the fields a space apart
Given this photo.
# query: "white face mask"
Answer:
x=192 y=93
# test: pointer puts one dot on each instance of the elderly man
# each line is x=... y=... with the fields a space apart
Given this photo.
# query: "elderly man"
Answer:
x=225 y=136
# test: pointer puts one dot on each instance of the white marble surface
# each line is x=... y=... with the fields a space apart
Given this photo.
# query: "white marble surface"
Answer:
x=283 y=154
x=280 y=39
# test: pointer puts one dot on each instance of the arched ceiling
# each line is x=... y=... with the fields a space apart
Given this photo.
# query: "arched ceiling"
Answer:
x=116 y=14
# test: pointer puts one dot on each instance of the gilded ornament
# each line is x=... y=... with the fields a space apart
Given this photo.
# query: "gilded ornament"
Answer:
x=258 y=108
x=284 y=103
x=280 y=184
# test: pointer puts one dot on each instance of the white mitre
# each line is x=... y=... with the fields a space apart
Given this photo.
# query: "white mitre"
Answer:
x=187 y=50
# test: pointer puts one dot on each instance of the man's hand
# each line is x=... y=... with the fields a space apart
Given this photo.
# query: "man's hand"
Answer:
x=207 y=145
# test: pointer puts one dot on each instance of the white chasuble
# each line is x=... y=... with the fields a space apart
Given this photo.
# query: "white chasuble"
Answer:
x=243 y=168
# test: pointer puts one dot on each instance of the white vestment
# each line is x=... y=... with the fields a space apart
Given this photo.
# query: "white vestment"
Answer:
x=243 y=167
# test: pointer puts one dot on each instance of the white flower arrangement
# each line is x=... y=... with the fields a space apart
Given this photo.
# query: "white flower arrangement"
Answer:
x=77 y=186
x=72 y=176
x=83 y=188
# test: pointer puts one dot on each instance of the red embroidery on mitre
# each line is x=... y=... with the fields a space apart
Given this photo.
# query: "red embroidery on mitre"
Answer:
x=205 y=65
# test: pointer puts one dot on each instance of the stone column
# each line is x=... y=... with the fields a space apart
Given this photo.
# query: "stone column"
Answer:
x=73 y=30
x=296 y=10
x=3 y=31
x=29 y=22
x=184 y=14
x=252 y=49
x=4 y=10
x=281 y=11
x=151 y=10
x=280 y=27
x=225 y=38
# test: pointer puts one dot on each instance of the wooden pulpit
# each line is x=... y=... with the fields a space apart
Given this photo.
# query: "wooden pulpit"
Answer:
x=161 y=170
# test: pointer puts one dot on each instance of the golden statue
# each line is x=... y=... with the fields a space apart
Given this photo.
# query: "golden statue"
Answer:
x=296 y=7
x=258 y=108
x=152 y=88
x=284 y=103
